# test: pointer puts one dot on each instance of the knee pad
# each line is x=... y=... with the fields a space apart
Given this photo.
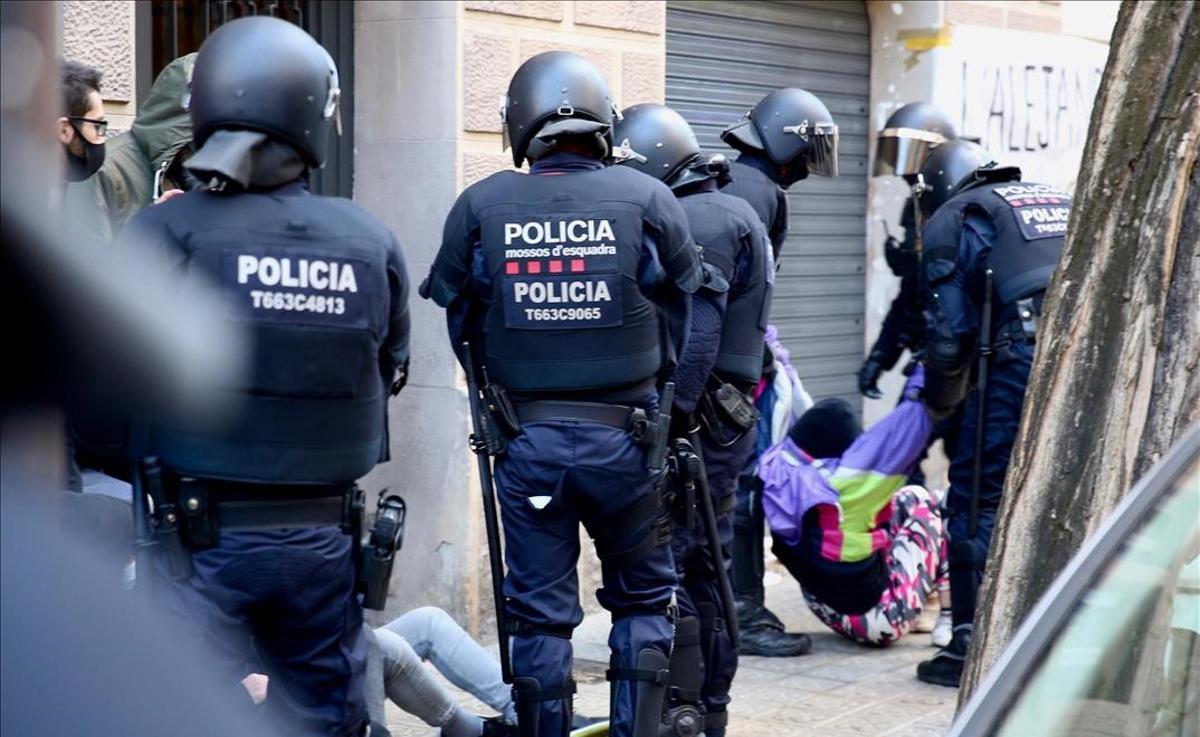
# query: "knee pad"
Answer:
x=528 y=695
x=683 y=717
x=686 y=663
x=650 y=682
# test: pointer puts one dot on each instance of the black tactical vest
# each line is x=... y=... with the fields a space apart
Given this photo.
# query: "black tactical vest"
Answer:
x=722 y=226
x=764 y=196
x=308 y=276
x=562 y=255
x=1031 y=225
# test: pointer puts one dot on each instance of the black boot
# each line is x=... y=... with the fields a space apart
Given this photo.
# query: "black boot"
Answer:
x=769 y=642
x=752 y=613
x=946 y=667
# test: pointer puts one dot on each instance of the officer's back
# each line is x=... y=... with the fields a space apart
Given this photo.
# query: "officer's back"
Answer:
x=567 y=242
x=255 y=517
x=317 y=279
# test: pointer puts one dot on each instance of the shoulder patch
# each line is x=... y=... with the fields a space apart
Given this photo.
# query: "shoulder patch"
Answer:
x=1041 y=210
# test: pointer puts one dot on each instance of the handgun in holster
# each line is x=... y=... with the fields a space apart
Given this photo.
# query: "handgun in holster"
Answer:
x=165 y=522
x=378 y=553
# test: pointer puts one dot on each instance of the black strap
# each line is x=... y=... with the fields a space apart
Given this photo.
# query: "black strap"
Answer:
x=659 y=677
x=684 y=695
x=565 y=690
x=521 y=627
x=613 y=415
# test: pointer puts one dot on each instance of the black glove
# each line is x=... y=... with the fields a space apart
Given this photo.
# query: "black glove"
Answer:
x=868 y=379
x=902 y=261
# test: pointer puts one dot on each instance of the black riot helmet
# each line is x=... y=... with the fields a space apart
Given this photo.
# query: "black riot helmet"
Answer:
x=268 y=75
x=556 y=93
x=793 y=129
x=907 y=138
x=656 y=140
x=948 y=170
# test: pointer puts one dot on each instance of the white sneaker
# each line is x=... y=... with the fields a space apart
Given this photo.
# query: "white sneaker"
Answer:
x=943 y=630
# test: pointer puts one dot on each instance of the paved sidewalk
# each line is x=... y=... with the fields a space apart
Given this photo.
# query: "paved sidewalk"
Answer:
x=839 y=689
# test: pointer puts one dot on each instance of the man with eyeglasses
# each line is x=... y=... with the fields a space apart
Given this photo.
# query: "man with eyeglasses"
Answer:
x=82 y=129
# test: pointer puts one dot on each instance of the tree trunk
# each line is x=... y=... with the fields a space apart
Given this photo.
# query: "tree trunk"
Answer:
x=1115 y=379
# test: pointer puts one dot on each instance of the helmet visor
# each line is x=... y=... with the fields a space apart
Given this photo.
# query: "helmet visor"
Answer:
x=823 y=150
x=505 y=143
x=901 y=151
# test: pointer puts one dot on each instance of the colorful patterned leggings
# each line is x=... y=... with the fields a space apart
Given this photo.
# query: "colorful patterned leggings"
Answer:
x=916 y=563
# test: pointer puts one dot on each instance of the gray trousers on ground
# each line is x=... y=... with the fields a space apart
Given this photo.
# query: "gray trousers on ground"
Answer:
x=395 y=671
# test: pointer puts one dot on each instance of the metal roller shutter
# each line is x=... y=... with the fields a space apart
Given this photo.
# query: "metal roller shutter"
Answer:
x=722 y=57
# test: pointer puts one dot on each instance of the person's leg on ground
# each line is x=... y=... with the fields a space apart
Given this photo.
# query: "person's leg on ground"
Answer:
x=436 y=637
x=414 y=689
x=374 y=692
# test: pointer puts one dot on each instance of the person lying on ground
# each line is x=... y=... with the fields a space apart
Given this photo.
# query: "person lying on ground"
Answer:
x=866 y=549
x=395 y=671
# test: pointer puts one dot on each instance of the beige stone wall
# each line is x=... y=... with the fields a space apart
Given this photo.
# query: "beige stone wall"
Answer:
x=1017 y=15
x=626 y=39
x=101 y=33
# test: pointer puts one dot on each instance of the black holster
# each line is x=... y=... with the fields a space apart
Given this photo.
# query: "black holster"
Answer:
x=378 y=553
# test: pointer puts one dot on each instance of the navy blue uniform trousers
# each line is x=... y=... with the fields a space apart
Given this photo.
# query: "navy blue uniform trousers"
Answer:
x=555 y=475
x=968 y=553
x=281 y=603
x=694 y=564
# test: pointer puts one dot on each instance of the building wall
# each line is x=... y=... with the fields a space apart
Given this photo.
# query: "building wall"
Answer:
x=625 y=39
x=100 y=33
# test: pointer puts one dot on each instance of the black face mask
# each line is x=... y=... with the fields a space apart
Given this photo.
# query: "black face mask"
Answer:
x=793 y=172
x=83 y=167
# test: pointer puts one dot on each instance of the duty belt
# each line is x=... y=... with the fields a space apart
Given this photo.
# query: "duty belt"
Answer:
x=633 y=419
x=211 y=506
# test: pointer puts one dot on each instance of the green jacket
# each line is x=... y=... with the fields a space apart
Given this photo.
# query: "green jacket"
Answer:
x=125 y=183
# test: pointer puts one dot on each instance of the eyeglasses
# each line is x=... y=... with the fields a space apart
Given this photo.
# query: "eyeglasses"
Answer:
x=101 y=125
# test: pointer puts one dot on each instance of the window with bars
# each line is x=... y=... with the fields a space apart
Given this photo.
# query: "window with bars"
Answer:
x=168 y=29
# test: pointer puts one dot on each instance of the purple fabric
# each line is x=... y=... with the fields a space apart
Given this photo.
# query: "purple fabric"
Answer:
x=892 y=445
x=794 y=483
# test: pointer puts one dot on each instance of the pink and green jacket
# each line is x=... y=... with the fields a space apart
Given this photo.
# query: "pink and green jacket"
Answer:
x=852 y=494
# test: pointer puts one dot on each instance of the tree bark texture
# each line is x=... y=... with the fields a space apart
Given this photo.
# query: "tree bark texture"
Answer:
x=1115 y=379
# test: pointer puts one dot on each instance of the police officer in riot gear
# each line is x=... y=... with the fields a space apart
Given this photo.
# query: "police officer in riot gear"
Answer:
x=722 y=364
x=992 y=243
x=252 y=516
x=785 y=137
x=572 y=284
x=906 y=139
